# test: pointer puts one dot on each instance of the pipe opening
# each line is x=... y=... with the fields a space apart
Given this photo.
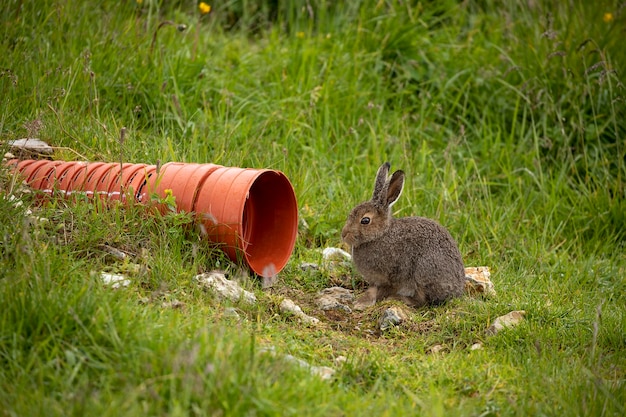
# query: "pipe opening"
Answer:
x=269 y=223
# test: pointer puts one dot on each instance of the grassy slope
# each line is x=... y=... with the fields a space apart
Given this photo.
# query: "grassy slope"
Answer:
x=508 y=120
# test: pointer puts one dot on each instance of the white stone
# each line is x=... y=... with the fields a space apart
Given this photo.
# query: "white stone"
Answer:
x=231 y=312
x=477 y=280
x=32 y=145
x=393 y=316
x=225 y=288
x=508 y=320
x=115 y=252
x=309 y=266
x=324 y=372
x=436 y=349
x=340 y=360
x=335 y=298
x=173 y=304
x=335 y=253
x=289 y=306
x=114 y=280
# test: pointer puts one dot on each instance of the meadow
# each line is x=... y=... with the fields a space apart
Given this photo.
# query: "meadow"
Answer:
x=508 y=118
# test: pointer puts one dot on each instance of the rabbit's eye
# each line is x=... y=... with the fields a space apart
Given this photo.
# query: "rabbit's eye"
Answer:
x=365 y=220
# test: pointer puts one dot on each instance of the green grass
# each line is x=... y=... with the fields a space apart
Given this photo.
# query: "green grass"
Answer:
x=508 y=118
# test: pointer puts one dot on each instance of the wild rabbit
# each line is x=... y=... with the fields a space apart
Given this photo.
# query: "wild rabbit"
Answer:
x=412 y=259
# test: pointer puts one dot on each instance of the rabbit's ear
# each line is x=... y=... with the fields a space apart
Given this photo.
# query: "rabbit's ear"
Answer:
x=394 y=188
x=380 y=186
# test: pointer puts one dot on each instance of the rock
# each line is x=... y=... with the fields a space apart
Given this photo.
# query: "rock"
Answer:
x=309 y=266
x=436 y=349
x=114 y=280
x=476 y=346
x=336 y=254
x=173 y=304
x=224 y=288
x=31 y=145
x=340 y=360
x=335 y=298
x=337 y=263
x=324 y=372
x=288 y=306
x=115 y=252
x=335 y=258
x=508 y=320
x=393 y=316
x=340 y=294
x=478 y=281
x=231 y=312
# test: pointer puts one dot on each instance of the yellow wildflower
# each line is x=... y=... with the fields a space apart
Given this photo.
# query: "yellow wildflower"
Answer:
x=300 y=35
x=140 y=2
x=168 y=192
x=204 y=8
x=608 y=17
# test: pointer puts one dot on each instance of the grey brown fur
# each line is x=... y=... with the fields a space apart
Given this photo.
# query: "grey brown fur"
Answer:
x=412 y=259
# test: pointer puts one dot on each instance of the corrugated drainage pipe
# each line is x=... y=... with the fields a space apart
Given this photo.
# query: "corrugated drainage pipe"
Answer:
x=251 y=213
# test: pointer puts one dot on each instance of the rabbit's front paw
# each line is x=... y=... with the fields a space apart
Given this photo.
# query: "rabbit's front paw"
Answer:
x=367 y=299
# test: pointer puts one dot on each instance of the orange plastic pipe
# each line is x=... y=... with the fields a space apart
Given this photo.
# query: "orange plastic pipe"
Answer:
x=251 y=213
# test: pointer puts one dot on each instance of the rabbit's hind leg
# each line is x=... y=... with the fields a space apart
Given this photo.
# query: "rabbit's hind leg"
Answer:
x=410 y=297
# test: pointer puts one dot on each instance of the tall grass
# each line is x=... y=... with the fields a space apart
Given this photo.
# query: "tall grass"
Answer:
x=508 y=118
